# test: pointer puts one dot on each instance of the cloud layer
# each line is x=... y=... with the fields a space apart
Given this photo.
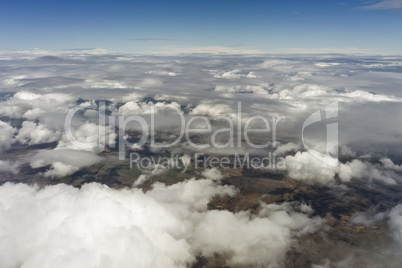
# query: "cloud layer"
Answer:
x=96 y=226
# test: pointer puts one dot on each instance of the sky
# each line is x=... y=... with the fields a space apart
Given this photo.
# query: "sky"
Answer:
x=204 y=26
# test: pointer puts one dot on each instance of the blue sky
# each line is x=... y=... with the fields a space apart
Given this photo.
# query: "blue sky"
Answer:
x=203 y=26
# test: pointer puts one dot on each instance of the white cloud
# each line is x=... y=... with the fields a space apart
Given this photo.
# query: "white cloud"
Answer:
x=141 y=179
x=234 y=74
x=104 y=84
x=359 y=95
x=304 y=166
x=9 y=167
x=32 y=133
x=387 y=163
x=395 y=223
x=63 y=162
x=135 y=108
x=281 y=149
x=134 y=96
x=326 y=64
x=7 y=135
x=261 y=241
x=163 y=73
x=359 y=169
x=212 y=109
x=96 y=226
x=25 y=104
x=212 y=174
x=86 y=134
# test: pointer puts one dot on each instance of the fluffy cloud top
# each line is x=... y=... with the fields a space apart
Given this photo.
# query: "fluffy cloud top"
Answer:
x=96 y=226
x=303 y=166
x=32 y=133
x=6 y=136
x=8 y=167
x=395 y=222
x=30 y=105
x=63 y=162
x=88 y=136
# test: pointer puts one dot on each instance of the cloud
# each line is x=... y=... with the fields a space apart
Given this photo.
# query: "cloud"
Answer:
x=62 y=162
x=384 y=5
x=209 y=108
x=234 y=74
x=26 y=104
x=395 y=223
x=389 y=164
x=89 y=136
x=242 y=89
x=163 y=73
x=212 y=174
x=326 y=64
x=7 y=135
x=368 y=218
x=261 y=241
x=215 y=50
x=168 y=226
x=303 y=166
x=134 y=107
x=294 y=86
x=359 y=169
x=141 y=179
x=31 y=133
x=281 y=149
x=160 y=40
x=9 y=167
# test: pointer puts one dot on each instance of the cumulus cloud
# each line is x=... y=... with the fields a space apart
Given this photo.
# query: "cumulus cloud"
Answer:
x=212 y=109
x=7 y=135
x=133 y=107
x=62 y=162
x=163 y=73
x=389 y=164
x=234 y=74
x=359 y=169
x=88 y=136
x=31 y=133
x=319 y=92
x=168 y=226
x=134 y=96
x=9 y=167
x=326 y=64
x=395 y=223
x=131 y=227
x=212 y=174
x=281 y=149
x=304 y=166
x=25 y=104
x=261 y=241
